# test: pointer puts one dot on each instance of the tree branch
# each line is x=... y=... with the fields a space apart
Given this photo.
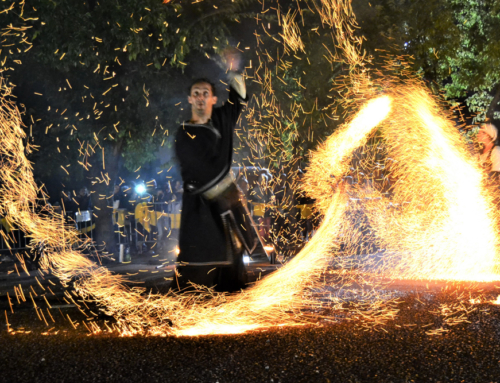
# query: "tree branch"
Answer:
x=207 y=15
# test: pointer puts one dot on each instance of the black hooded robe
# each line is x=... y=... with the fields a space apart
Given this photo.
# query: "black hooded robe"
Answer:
x=214 y=231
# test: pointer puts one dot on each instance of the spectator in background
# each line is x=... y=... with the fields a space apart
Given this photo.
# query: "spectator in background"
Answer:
x=178 y=190
x=155 y=212
x=152 y=190
x=160 y=193
x=121 y=197
x=65 y=205
x=133 y=196
x=83 y=200
x=117 y=196
x=127 y=202
x=126 y=196
x=490 y=156
x=83 y=212
x=139 y=195
x=165 y=193
x=304 y=209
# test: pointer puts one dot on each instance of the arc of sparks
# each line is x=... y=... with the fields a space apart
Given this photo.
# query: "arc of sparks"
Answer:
x=267 y=303
x=444 y=227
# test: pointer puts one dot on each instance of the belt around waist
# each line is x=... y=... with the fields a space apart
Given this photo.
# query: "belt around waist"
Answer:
x=218 y=188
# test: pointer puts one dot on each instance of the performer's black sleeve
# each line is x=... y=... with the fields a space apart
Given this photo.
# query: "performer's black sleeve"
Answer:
x=233 y=106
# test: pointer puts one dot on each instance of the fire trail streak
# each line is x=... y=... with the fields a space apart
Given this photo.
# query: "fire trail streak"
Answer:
x=438 y=222
x=444 y=223
x=267 y=303
x=279 y=298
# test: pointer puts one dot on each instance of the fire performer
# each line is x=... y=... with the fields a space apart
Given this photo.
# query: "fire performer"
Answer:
x=216 y=227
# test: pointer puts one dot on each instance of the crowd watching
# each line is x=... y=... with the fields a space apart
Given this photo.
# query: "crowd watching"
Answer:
x=264 y=199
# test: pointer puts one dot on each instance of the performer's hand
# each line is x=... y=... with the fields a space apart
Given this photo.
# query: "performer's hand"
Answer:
x=231 y=59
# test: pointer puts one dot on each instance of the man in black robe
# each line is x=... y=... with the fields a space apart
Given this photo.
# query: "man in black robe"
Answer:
x=215 y=225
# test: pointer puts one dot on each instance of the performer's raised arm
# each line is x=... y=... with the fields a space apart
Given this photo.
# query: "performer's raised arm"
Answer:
x=232 y=65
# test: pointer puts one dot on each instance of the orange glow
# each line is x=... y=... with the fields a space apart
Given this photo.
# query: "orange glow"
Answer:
x=444 y=226
x=437 y=222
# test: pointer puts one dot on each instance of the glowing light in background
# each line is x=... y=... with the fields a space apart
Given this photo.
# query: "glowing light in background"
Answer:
x=140 y=189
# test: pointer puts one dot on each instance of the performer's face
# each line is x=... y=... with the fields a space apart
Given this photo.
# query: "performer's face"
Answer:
x=202 y=99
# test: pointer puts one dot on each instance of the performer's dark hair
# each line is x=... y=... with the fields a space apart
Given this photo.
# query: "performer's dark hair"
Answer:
x=202 y=80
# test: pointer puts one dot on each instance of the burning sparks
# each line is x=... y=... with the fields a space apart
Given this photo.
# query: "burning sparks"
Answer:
x=431 y=214
x=443 y=226
x=291 y=32
x=268 y=303
x=271 y=301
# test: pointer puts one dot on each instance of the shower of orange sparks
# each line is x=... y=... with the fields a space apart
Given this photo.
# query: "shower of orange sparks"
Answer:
x=443 y=228
x=277 y=299
x=272 y=300
x=291 y=33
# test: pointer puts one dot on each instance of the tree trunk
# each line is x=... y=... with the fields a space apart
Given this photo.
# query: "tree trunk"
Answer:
x=104 y=235
x=291 y=187
x=491 y=110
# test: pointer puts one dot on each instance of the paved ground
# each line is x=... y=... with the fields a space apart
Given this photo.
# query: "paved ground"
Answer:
x=431 y=340
x=335 y=353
